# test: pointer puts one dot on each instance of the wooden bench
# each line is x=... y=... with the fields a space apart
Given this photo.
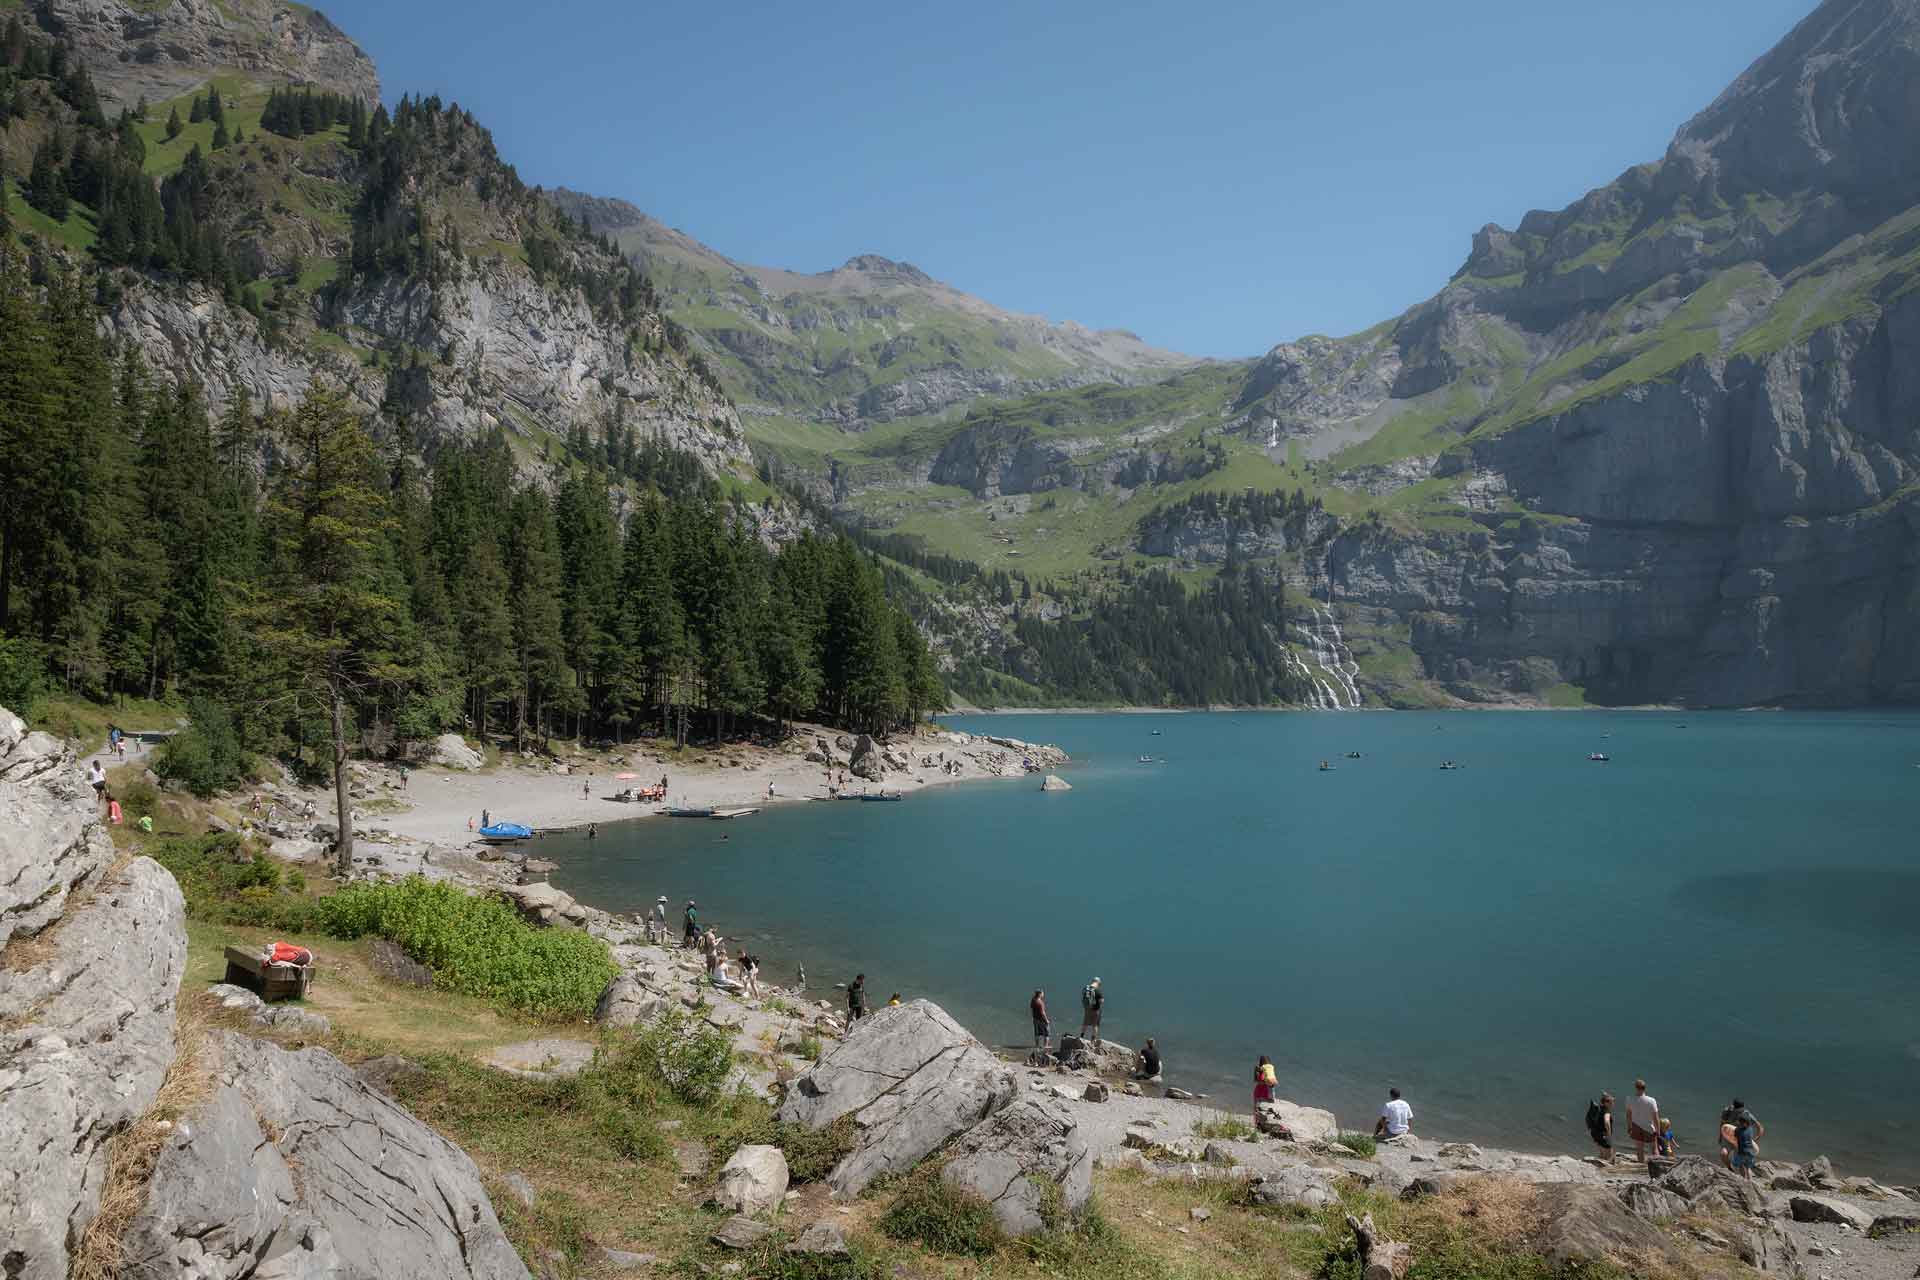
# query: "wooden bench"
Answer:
x=272 y=981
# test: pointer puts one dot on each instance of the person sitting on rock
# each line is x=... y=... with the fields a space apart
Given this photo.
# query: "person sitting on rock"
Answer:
x=1149 y=1069
x=1396 y=1118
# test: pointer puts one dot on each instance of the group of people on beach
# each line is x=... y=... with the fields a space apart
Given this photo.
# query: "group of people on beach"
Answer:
x=1652 y=1131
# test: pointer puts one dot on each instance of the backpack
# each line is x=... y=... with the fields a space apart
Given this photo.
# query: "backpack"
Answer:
x=1267 y=1075
x=1596 y=1121
x=1086 y=996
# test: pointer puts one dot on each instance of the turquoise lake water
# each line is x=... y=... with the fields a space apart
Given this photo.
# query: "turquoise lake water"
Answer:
x=1731 y=906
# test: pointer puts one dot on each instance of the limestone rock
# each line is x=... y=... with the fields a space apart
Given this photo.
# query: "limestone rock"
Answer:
x=911 y=1079
x=741 y=1232
x=1097 y=1091
x=866 y=762
x=1589 y=1224
x=1771 y=1250
x=752 y=1181
x=1303 y=1124
x=1004 y=1160
x=543 y=904
x=387 y=1071
x=1302 y=1185
x=86 y=1033
x=1644 y=1200
x=625 y=1003
x=1055 y=782
x=1893 y=1224
x=821 y=1239
x=296 y=1169
x=1817 y=1208
x=450 y=751
x=520 y=1188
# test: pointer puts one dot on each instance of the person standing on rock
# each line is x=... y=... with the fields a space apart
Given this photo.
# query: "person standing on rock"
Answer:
x=657 y=922
x=1600 y=1124
x=1747 y=1132
x=1093 y=999
x=692 y=925
x=1396 y=1118
x=857 y=999
x=1042 y=1027
x=98 y=777
x=1264 y=1080
x=1643 y=1121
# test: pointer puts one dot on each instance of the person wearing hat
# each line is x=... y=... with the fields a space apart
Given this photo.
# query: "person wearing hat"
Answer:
x=1092 y=1001
x=692 y=925
x=657 y=923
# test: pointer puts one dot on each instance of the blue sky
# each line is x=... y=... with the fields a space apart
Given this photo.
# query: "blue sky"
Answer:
x=1216 y=177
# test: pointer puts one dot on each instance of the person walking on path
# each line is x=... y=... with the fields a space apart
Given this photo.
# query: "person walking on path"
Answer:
x=857 y=999
x=98 y=777
x=1600 y=1124
x=1747 y=1132
x=1042 y=1027
x=1264 y=1080
x=1093 y=999
x=1643 y=1121
x=1396 y=1118
x=692 y=925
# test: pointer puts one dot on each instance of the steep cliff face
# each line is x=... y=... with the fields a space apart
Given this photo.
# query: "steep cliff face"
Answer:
x=1683 y=412
x=159 y=51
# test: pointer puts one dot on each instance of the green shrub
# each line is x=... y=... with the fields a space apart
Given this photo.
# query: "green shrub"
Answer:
x=1223 y=1127
x=945 y=1219
x=690 y=1058
x=205 y=757
x=476 y=945
x=808 y=1047
x=1361 y=1144
x=222 y=882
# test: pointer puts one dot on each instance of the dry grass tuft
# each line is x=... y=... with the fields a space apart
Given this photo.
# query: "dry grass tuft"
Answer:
x=1501 y=1211
x=133 y=1152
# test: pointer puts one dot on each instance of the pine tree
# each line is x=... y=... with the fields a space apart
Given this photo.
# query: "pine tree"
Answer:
x=174 y=127
x=322 y=616
x=198 y=111
x=220 y=138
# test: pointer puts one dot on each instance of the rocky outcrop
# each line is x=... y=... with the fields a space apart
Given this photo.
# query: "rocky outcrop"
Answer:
x=1030 y=1163
x=1301 y=1124
x=161 y=51
x=450 y=751
x=92 y=959
x=752 y=1181
x=295 y=1168
x=626 y=1003
x=910 y=1078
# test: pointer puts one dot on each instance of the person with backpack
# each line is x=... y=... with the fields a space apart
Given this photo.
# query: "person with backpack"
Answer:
x=1092 y=1000
x=1600 y=1124
x=1264 y=1080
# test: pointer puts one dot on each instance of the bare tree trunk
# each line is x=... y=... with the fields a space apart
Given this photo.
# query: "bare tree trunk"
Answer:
x=343 y=811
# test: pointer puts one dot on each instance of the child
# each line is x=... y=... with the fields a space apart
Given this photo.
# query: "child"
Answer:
x=1663 y=1142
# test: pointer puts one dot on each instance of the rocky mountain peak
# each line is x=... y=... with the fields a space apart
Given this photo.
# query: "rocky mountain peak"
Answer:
x=872 y=264
x=1831 y=106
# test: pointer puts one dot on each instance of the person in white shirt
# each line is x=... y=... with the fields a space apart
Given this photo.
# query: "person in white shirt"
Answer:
x=1396 y=1117
x=1643 y=1120
x=657 y=924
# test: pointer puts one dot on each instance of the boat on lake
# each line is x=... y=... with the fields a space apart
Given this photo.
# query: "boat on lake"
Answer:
x=505 y=833
x=1599 y=757
x=883 y=797
x=683 y=811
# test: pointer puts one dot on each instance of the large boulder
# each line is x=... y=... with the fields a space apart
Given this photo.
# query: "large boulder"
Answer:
x=94 y=956
x=1299 y=1185
x=543 y=904
x=1829 y=1209
x=752 y=1181
x=1707 y=1186
x=910 y=1078
x=1644 y=1200
x=1010 y=1158
x=1281 y=1118
x=450 y=751
x=296 y=1169
x=1589 y=1224
x=866 y=762
x=625 y=1003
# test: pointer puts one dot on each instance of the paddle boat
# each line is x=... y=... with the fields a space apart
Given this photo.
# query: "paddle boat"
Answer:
x=1448 y=764
x=505 y=833
x=1599 y=757
x=1353 y=755
x=1146 y=760
x=681 y=811
x=883 y=797
x=1325 y=767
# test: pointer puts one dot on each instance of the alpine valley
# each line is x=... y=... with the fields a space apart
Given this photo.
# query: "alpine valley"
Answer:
x=1659 y=446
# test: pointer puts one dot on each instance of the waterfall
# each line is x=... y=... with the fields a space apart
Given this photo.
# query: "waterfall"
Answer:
x=1334 y=687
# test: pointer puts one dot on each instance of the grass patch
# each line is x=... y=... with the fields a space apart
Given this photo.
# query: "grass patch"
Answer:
x=1565 y=696
x=1223 y=1127
x=927 y=1212
x=1361 y=1144
x=84 y=723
